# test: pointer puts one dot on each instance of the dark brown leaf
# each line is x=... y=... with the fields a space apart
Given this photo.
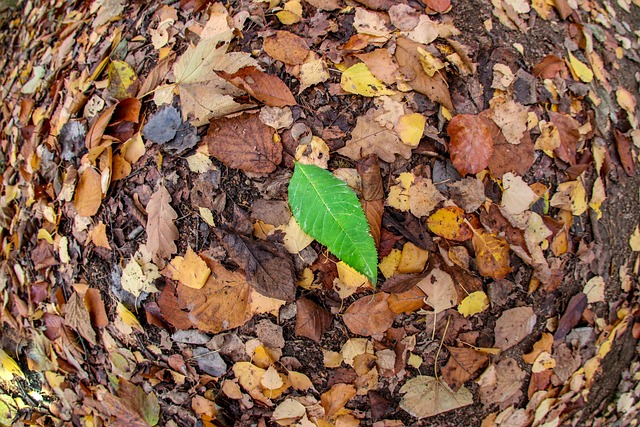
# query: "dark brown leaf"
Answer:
x=370 y=315
x=435 y=88
x=268 y=266
x=571 y=316
x=244 y=142
x=369 y=171
x=286 y=47
x=311 y=320
x=262 y=86
x=471 y=145
x=569 y=136
x=373 y=211
x=462 y=365
x=623 y=144
x=516 y=158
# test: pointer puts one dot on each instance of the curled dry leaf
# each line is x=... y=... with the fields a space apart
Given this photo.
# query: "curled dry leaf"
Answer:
x=244 y=142
x=623 y=144
x=262 y=86
x=471 y=144
x=370 y=315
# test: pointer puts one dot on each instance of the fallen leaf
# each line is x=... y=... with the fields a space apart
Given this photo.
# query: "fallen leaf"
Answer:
x=369 y=137
x=98 y=236
x=434 y=87
x=549 y=67
x=95 y=306
x=634 y=240
x=468 y=193
x=312 y=321
x=623 y=145
x=440 y=290
x=594 y=289
x=287 y=47
x=244 y=142
x=463 y=363
x=161 y=231
x=299 y=381
x=569 y=131
x=423 y=197
x=450 y=223
x=88 y=195
x=544 y=344
x=398 y=197
x=358 y=80
x=8 y=367
x=502 y=383
x=291 y=14
x=513 y=326
x=372 y=194
x=288 y=412
x=471 y=144
x=135 y=398
x=571 y=316
x=312 y=73
x=190 y=270
x=262 y=86
x=122 y=80
x=408 y=301
x=163 y=125
x=581 y=70
x=249 y=377
x=381 y=64
x=511 y=117
x=336 y=397
x=413 y=259
x=268 y=266
x=77 y=317
x=135 y=280
x=369 y=315
x=440 y=6
x=426 y=396
x=517 y=196
x=474 y=303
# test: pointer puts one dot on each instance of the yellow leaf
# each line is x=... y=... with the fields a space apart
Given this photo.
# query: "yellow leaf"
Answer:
x=474 y=303
x=249 y=377
x=359 y=80
x=271 y=379
x=389 y=264
x=449 y=223
x=122 y=79
x=45 y=235
x=598 y=196
x=127 y=318
x=349 y=277
x=431 y=64
x=199 y=162
x=207 y=216
x=314 y=153
x=413 y=259
x=399 y=194
x=410 y=128
x=191 y=270
x=312 y=73
x=581 y=70
x=295 y=239
x=578 y=199
x=331 y=359
x=8 y=367
x=634 y=240
x=135 y=281
x=300 y=381
x=292 y=13
x=133 y=148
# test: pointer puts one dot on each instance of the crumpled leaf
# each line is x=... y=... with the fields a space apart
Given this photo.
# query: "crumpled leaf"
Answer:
x=502 y=383
x=369 y=315
x=244 y=142
x=426 y=396
x=161 y=231
x=358 y=80
x=471 y=144
x=268 y=266
x=262 y=86
x=328 y=210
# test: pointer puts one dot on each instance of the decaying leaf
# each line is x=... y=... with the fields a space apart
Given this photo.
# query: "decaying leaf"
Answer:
x=462 y=365
x=471 y=144
x=190 y=270
x=440 y=290
x=426 y=396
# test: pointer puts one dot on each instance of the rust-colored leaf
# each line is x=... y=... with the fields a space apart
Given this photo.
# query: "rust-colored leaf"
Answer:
x=88 y=196
x=492 y=254
x=569 y=136
x=549 y=67
x=95 y=305
x=161 y=231
x=170 y=308
x=244 y=142
x=286 y=47
x=311 y=320
x=262 y=86
x=623 y=144
x=436 y=87
x=438 y=6
x=571 y=316
x=462 y=365
x=408 y=301
x=471 y=145
x=335 y=399
x=370 y=315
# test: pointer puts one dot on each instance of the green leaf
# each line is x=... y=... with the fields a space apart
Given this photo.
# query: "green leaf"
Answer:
x=329 y=211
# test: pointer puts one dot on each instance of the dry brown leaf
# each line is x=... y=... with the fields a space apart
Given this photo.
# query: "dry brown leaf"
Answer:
x=569 y=131
x=369 y=315
x=380 y=63
x=549 y=67
x=95 y=306
x=462 y=365
x=468 y=193
x=88 y=195
x=262 y=86
x=502 y=383
x=311 y=320
x=426 y=396
x=369 y=137
x=77 y=317
x=440 y=290
x=513 y=326
x=408 y=301
x=98 y=236
x=436 y=87
x=170 y=309
x=161 y=231
x=623 y=144
x=471 y=144
x=244 y=142
x=492 y=254
x=286 y=47
x=335 y=399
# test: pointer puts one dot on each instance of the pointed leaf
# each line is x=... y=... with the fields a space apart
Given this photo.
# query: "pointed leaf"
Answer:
x=329 y=211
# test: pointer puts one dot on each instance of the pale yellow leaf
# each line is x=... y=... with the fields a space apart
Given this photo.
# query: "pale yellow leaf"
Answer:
x=413 y=259
x=581 y=70
x=410 y=128
x=134 y=280
x=634 y=240
x=398 y=197
x=474 y=303
x=291 y=14
x=426 y=396
x=295 y=239
x=594 y=289
x=199 y=162
x=288 y=412
x=349 y=277
x=8 y=367
x=358 y=80
x=312 y=73
x=271 y=379
x=207 y=216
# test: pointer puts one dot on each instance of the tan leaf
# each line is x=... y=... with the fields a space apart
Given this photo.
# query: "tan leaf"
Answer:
x=190 y=270
x=88 y=196
x=286 y=47
x=471 y=144
x=299 y=381
x=244 y=142
x=98 y=236
x=271 y=379
x=424 y=197
x=426 y=396
x=249 y=377
x=77 y=317
x=440 y=290
x=335 y=399
x=380 y=63
x=370 y=315
x=502 y=383
x=288 y=412
x=462 y=365
x=161 y=231
x=513 y=326
x=511 y=117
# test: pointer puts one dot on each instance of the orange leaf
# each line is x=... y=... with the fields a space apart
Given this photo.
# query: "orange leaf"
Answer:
x=88 y=195
x=286 y=47
x=335 y=399
x=492 y=254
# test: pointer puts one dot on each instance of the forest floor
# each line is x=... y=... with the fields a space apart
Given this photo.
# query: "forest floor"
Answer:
x=152 y=272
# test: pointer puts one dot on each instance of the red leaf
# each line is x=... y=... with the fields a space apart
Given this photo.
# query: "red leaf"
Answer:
x=262 y=86
x=471 y=145
x=549 y=67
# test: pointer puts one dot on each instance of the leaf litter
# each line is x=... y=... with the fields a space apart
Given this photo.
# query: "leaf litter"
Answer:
x=483 y=169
